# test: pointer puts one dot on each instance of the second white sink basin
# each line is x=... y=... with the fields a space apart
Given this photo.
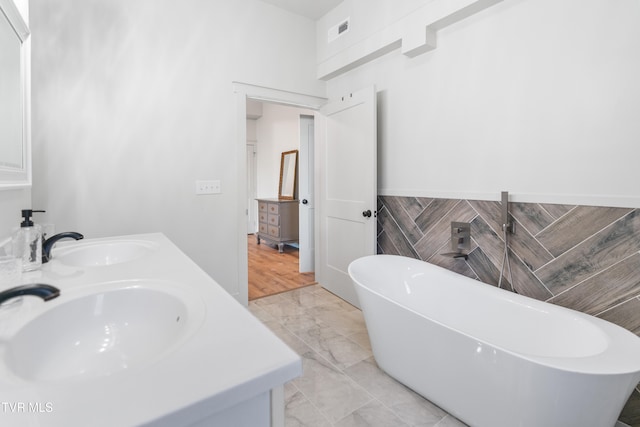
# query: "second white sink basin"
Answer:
x=102 y=253
x=118 y=326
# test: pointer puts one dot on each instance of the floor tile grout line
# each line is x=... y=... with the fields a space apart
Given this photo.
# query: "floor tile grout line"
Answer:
x=320 y=411
x=342 y=371
x=347 y=337
x=336 y=368
x=373 y=399
x=322 y=323
x=345 y=375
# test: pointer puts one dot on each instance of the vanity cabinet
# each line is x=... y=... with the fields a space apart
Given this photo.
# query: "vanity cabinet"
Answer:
x=246 y=364
x=278 y=221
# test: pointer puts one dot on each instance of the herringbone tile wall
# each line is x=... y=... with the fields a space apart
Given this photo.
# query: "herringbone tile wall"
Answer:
x=582 y=257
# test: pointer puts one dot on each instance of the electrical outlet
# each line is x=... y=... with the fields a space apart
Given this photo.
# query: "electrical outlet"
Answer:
x=208 y=187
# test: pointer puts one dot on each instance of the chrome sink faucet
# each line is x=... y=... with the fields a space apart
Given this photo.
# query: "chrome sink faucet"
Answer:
x=47 y=245
x=46 y=292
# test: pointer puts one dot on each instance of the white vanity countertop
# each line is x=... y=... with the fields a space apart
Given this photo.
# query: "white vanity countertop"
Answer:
x=230 y=358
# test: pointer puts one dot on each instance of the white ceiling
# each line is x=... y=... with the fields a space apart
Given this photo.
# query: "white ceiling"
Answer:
x=312 y=9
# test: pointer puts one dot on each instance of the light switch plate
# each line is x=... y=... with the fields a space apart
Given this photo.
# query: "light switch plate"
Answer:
x=208 y=187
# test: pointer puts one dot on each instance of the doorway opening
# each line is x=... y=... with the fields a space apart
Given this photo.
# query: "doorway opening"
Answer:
x=273 y=129
x=244 y=93
x=272 y=272
x=345 y=219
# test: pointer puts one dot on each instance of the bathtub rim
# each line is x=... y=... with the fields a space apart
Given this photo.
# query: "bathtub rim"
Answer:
x=615 y=359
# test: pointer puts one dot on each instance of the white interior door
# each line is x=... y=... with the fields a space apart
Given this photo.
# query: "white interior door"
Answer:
x=346 y=142
x=252 y=186
x=306 y=195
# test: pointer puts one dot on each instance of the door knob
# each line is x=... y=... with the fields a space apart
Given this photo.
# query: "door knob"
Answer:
x=304 y=201
x=367 y=213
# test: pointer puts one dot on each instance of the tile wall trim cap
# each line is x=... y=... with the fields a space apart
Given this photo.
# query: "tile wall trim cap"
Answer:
x=515 y=196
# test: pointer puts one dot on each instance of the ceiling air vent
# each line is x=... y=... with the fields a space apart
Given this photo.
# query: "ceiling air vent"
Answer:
x=338 y=30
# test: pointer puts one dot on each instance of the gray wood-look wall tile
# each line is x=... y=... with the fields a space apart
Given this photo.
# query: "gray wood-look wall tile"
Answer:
x=485 y=270
x=583 y=222
x=491 y=243
x=592 y=264
x=631 y=412
x=532 y=253
x=415 y=205
x=600 y=251
x=491 y=213
x=524 y=281
x=556 y=211
x=436 y=211
x=392 y=240
x=397 y=207
x=385 y=244
x=532 y=216
x=626 y=315
x=606 y=289
x=424 y=202
x=439 y=233
x=429 y=245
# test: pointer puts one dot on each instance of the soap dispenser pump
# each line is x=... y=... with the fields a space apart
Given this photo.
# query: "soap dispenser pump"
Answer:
x=27 y=242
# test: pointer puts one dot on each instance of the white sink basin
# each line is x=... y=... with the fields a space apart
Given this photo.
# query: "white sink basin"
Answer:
x=102 y=253
x=117 y=327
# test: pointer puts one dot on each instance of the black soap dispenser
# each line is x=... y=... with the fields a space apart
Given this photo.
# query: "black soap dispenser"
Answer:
x=27 y=242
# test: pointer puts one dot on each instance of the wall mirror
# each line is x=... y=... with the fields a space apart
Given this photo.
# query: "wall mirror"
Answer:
x=14 y=137
x=288 y=175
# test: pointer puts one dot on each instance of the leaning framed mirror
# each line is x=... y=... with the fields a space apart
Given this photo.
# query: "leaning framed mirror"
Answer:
x=288 y=175
x=14 y=130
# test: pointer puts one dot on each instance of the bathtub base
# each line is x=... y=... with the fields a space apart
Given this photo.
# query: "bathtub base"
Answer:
x=485 y=386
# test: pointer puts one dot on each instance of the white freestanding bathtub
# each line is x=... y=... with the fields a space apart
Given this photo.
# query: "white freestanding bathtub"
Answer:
x=490 y=357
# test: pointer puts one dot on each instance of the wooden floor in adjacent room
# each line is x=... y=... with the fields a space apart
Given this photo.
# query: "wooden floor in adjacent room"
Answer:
x=271 y=272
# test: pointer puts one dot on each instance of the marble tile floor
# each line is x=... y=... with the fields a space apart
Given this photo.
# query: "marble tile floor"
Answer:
x=341 y=385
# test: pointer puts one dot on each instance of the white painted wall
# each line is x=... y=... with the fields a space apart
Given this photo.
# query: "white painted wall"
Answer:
x=537 y=97
x=23 y=8
x=133 y=102
x=13 y=201
x=278 y=130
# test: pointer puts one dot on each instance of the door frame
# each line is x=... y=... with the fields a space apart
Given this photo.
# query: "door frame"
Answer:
x=306 y=189
x=244 y=91
x=252 y=184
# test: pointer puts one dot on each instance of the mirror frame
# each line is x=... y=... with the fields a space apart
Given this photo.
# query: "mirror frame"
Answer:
x=11 y=178
x=282 y=195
